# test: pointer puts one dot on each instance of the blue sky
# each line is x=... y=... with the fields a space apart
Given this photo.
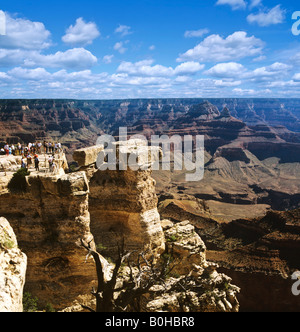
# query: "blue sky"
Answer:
x=149 y=49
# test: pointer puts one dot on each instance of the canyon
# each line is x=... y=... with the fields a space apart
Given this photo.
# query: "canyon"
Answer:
x=56 y=212
x=245 y=210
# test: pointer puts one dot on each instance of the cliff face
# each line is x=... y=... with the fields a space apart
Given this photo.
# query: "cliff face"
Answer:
x=56 y=211
x=13 y=263
x=122 y=204
x=206 y=290
x=48 y=220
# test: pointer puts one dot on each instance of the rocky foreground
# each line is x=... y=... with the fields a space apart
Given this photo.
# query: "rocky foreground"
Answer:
x=53 y=214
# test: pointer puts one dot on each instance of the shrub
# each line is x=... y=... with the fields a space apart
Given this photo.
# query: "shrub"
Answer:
x=30 y=303
x=18 y=182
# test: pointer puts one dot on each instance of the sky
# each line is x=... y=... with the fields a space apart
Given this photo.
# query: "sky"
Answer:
x=122 y=49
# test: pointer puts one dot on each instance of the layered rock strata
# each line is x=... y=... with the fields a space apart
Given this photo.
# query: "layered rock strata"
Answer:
x=49 y=219
x=123 y=203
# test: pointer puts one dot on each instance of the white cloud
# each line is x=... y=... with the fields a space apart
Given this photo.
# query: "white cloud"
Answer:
x=275 y=15
x=24 y=34
x=188 y=68
x=227 y=83
x=276 y=70
x=255 y=3
x=235 y=4
x=108 y=58
x=119 y=46
x=152 y=48
x=260 y=58
x=214 y=48
x=145 y=68
x=231 y=69
x=251 y=92
x=296 y=77
x=196 y=33
x=123 y=30
x=81 y=33
x=76 y=58
x=37 y=74
x=73 y=59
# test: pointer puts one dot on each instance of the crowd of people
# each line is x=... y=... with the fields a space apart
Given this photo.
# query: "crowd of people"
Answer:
x=30 y=153
x=38 y=147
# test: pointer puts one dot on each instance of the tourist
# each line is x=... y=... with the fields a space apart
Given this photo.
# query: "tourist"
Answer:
x=28 y=160
x=45 y=147
x=6 y=149
x=23 y=162
x=50 y=161
x=39 y=147
x=13 y=150
x=19 y=149
x=36 y=162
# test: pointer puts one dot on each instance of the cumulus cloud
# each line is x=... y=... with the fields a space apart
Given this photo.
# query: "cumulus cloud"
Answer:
x=37 y=74
x=296 y=77
x=24 y=34
x=255 y=3
x=108 y=59
x=276 y=70
x=235 y=4
x=146 y=68
x=188 y=68
x=214 y=48
x=231 y=69
x=119 y=46
x=196 y=33
x=81 y=33
x=273 y=16
x=123 y=30
x=75 y=58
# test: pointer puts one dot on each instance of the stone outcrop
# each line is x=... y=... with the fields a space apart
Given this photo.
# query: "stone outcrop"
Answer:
x=87 y=156
x=13 y=264
x=202 y=288
x=123 y=203
x=49 y=219
x=105 y=207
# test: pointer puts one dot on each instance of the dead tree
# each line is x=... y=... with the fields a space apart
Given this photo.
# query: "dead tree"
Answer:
x=142 y=276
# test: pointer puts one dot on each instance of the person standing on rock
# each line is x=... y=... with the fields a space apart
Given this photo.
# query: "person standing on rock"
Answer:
x=28 y=160
x=51 y=161
x=36 y=163
x=23 y=162
x=6 y=149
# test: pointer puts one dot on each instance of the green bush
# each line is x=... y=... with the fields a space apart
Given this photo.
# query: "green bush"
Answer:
x=49 y=308
x=18 y=182
x=30 y=303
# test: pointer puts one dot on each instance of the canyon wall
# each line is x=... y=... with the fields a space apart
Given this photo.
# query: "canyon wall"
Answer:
x=49 y=219
x=123 y=203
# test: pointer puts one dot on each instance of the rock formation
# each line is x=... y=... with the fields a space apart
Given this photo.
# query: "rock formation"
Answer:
x=206 y=290
x=56 y=211
x=123 y=203
x=48 y=219
x=13 y=263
